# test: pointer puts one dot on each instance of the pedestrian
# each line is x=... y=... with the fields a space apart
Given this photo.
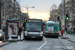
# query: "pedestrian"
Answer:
x=20 y=30
x=62 y=31
x=4 y=30
x=5 y=33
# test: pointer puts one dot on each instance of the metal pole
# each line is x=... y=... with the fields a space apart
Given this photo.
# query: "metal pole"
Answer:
x=72 y=12
x=27 y=8
x=14 y=8
x=74 y=17
x=64 y=15
x=0 y=14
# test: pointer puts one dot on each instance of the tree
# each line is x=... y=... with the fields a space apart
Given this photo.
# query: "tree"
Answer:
x=0 y=14
x=0 y=11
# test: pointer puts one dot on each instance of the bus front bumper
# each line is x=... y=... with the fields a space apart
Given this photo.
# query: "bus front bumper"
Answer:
x=33 y=36
x=52 y=34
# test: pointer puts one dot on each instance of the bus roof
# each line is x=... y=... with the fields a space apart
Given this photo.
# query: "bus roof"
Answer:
x=33 y=20
x=50 y=22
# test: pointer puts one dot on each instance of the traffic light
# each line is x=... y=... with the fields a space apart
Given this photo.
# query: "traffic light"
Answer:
x=58 y=18
x=67 y=17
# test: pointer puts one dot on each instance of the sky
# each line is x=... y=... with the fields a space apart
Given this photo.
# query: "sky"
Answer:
x=42 y=8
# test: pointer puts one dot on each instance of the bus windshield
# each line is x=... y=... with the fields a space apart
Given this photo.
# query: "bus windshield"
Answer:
x=34 y=27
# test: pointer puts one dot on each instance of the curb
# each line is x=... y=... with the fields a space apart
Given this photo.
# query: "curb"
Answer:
x=14 y=40
x=4 y=44
x=65 y=38
x=9 y=41
x=71 y=40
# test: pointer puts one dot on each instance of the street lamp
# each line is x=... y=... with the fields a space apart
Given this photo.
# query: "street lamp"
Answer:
x=14 y=7
x=64 y=16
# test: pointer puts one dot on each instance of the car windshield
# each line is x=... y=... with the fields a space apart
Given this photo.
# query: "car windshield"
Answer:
x=35 y=27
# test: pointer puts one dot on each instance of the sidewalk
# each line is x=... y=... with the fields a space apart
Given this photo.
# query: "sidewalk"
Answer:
x=15 y=40
x=3 y=43
x=9 y=41
x=71 y=37
x=12 y=40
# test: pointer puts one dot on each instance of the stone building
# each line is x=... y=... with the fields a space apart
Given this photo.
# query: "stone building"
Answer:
x=69 y=11
x=53 y=15
x=24 y=16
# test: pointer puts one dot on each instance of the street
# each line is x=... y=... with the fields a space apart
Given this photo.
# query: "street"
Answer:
x=47 y=43
x=37 y=24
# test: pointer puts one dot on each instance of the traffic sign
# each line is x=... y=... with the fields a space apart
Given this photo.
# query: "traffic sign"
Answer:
x=10 y=18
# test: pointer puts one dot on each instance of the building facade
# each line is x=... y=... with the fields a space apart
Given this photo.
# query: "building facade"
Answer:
x=54 y=16
x=24 y=16
x=10 y=9
x=67 y=10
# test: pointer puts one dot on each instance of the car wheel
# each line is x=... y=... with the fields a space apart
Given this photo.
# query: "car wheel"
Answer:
x=26 y=38
x=2 y=39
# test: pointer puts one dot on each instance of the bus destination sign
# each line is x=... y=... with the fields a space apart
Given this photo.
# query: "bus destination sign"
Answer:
x=34 y=20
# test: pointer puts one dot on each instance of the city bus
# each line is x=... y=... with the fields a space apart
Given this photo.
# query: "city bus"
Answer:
x=33 y=28
x=52 y=29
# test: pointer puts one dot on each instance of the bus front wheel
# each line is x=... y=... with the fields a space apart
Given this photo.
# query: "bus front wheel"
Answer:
x=25 y=38
x=41 y=38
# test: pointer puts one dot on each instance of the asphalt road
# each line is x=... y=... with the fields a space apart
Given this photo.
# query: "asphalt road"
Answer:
x=46 y=44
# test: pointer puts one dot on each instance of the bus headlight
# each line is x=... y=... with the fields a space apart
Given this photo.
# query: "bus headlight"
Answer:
x=41 y=35
x=25 y=34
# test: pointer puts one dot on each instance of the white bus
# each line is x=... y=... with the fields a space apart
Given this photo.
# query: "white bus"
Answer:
x=33 y=28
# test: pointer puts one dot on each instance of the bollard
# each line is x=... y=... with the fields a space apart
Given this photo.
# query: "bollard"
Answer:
x=4 y=37
x=65 y=33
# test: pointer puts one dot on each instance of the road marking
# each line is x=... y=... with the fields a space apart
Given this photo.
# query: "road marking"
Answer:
x=42 y=44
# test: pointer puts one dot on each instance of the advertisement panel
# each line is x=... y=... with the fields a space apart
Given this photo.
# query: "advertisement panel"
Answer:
x=51 y=29
x=12 y=29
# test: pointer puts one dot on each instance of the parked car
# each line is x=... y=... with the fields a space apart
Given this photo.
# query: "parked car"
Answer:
x=1 y=35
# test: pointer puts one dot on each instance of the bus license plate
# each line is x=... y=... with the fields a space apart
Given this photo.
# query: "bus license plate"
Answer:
x=52 y=33
x=33 y=37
